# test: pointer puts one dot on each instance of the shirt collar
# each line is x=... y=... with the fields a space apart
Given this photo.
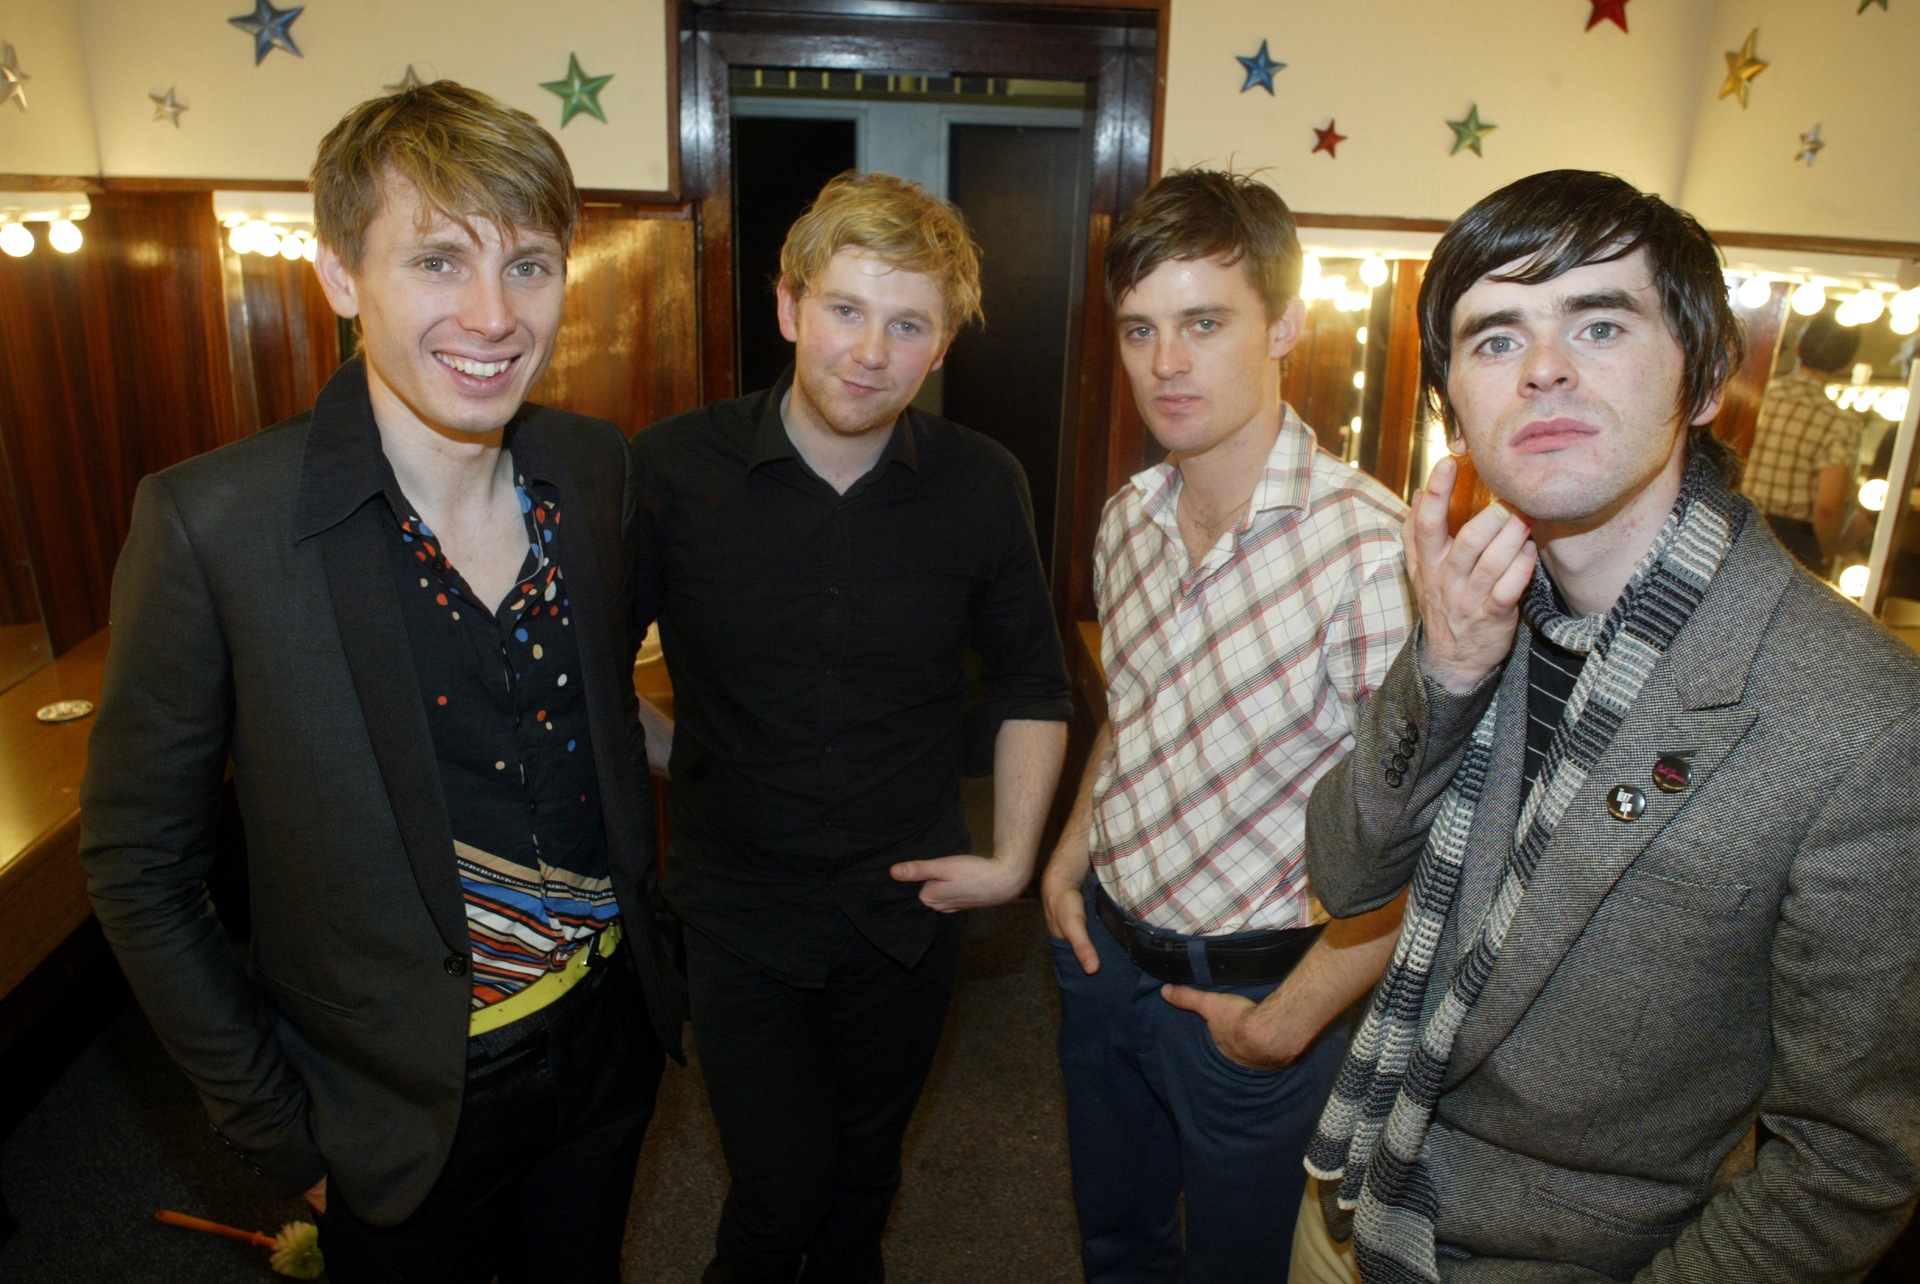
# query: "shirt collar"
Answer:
x=1285 y=479
x=771 y=442
x=344 y=465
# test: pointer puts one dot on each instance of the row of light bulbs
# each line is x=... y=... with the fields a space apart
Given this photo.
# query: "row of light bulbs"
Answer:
x=1864 y=307
x=257 y=236
x=62 y=234
x=1890 y=403
x=1314 y=285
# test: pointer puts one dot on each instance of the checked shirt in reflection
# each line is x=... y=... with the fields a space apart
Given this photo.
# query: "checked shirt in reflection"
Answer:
x=1234 y=685
x=508 y=717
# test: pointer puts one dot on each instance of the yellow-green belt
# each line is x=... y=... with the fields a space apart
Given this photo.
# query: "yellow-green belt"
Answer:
x=544 y=991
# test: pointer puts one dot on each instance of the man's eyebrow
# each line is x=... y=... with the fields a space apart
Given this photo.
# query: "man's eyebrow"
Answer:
x=1614 y=300
x=1485 y=321
x=1184 y=314
x=857 y=301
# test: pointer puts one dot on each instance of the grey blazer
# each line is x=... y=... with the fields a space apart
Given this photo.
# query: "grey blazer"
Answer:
x=1747 y=948
x=255 y=619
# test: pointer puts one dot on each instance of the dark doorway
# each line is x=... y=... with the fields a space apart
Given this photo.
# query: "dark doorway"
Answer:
x=1111 y=49
x=779 y=166
x=1019 y=188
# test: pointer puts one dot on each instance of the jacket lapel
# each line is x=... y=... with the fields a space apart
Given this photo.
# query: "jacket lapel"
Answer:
x=1690 y=706
x=339 y=488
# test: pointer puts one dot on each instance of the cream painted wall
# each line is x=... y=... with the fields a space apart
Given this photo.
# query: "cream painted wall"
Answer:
x=1392 y=72
x=55 y=134
x=1857 y=75
x=264 y=122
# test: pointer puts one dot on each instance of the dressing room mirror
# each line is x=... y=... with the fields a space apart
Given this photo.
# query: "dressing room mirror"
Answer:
x=24 y=645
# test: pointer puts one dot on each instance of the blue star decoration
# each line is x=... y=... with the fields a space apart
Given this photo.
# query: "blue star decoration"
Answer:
x=1260 y=69
x=579 y=92
x=1468 y=132
x=270 y=28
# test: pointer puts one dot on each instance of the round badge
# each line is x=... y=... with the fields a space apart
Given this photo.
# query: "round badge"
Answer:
x=1626 y=802
x=64 y=710
x=1672 y=773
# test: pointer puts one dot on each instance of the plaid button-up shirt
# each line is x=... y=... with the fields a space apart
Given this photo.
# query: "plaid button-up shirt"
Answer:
x=1234 y=685
x=1799 y=434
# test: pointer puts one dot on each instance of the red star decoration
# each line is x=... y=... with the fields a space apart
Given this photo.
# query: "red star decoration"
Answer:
x=1614 y=11
x=1329 y=139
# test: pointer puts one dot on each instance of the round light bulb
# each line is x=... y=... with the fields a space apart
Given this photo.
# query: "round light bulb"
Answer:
x=1754 y=292
x=1853 y=581
x=1360 y=336
x=1359 y=378
x=1374 y=271
x=266 y=243
x=310 y=249
x=1891 y=405
x=293 y=248
x=1309 y=268
x=1354 y=427
x=16 y=240
x=1809 y=298
x=64 y=236
x=1873 y=494
x=1868 y=305
x=1846 y=314
x=1904 y=322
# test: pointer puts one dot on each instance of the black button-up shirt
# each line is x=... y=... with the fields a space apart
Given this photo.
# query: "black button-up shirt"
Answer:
x=818 y=645
x=508 y=714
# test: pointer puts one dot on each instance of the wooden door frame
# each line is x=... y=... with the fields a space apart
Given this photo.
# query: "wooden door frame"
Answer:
x=1117 y=46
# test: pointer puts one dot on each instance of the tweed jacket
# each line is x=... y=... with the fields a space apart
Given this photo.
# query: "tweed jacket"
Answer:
x=255 y=619
x=1748 y=948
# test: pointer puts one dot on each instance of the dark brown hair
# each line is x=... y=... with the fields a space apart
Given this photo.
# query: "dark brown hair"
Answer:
x=1567 y=218
x=468 y=155
x=1827 y=345
x=1208 y=214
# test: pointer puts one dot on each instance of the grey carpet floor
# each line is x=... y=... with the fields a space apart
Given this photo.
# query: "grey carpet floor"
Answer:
x=985 y=1195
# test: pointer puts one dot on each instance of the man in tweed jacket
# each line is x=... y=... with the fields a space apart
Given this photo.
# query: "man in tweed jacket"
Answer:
x=1721 y=927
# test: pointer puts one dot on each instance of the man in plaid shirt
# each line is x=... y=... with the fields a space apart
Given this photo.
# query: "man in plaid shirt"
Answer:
x=1800 y=472
x=1252 y=593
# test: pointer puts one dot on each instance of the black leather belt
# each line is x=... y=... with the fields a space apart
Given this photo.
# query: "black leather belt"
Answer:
x=1245 y=958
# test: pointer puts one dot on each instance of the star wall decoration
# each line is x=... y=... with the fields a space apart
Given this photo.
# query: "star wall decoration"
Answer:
x=167 y=107
x=1810 y=145
x=1260 y=69
x=1614 y=11
x=1864 y=3
x=578 y=93
x=1329 y=139
x=1469 y=132
x=270 y=28
x=13 y=78
x=408 y=81
x=1742 y=67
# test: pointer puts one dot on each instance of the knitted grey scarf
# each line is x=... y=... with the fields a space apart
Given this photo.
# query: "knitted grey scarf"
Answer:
x=1372 y=1134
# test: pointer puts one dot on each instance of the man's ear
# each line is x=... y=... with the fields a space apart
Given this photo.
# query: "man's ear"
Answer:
x=1285 y=330
x=1711 y=411
x=789 y=307
x=336 y=279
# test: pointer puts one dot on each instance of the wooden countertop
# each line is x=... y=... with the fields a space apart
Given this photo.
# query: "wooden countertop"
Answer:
x=43 y=894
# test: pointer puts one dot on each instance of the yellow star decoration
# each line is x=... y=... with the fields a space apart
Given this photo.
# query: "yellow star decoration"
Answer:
x=1742 y=67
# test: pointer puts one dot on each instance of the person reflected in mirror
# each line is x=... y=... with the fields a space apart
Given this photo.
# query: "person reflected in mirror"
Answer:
x=1800 y=472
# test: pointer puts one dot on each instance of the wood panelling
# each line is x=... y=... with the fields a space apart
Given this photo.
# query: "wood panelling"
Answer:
x=113 y=363
x=292 y=341
x=1740 y=409
x=1400 y=381
x=1318 y=378
x=629 y=348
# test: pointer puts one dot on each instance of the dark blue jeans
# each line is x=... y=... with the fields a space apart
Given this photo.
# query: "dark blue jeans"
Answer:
x=1155 y=1110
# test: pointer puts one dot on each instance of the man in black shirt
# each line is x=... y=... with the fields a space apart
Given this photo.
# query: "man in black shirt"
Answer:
x=402 y=617
x=821 y=559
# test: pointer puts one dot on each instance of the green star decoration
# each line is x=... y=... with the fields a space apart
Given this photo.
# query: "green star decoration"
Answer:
x=579 y=92
x=1468 y=132
x=1864 y=3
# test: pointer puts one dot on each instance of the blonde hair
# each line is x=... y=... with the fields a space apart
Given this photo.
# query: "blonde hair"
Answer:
x=469 y=156
x=898 y=222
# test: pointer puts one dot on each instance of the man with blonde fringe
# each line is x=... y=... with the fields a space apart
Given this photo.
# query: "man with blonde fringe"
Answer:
x=403 y=618
x=821 y=559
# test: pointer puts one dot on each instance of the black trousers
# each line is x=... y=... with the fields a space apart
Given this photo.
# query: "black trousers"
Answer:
x=1801 y=541
x=812 y=1088
x=537 y=1185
